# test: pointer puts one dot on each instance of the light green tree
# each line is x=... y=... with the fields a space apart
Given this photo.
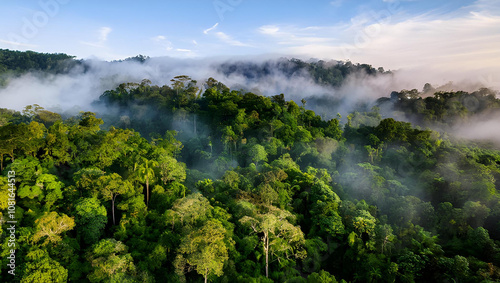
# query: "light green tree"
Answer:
x=57 y=144
x=280 y=238
x=189 y=210
x=111 y=187
x=146 y=172
x=51 y=225
x=111 y=262
x=91 y=218
x=41 y=268
x=204 y=250
x=171 y=170
x=257 y=153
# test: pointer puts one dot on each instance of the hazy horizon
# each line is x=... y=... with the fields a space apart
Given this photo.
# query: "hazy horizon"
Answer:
x=442 y=36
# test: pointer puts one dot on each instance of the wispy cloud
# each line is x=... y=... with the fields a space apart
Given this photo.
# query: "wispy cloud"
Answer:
x=18 y=44
x=292 y=35
x=211 y=28
x=463 y=39
x=224 y=37
x=229 y=40
x=102 y=37
x=103 y=33
x=269 y=30
x=337 y=3
x=163 y=42
x=159 y=38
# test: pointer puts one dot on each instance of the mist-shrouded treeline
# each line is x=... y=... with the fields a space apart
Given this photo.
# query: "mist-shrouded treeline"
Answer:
x=61 y=83
x=191 y=180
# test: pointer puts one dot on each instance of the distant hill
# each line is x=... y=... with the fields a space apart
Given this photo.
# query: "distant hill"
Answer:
x=24 y=61
x=15 y=63
x=327 y=73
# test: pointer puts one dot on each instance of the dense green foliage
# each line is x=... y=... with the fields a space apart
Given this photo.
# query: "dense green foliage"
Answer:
x=27 y=61
x=178 y=183
x=329 y=73
x=246 y=189
x=443 y=109
x=326 y=73
x=14 y=63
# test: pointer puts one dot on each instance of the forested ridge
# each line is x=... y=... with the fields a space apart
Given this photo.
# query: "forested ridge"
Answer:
x=327 y=73
x=182 y=183
x=16 y=63
x=19 y=61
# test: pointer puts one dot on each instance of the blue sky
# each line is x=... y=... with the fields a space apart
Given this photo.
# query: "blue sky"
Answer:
x=389 y=33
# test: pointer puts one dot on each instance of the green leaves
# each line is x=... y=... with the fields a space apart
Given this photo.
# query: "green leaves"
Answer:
x=204 y=250
x=277 y=188
x=206 y=236
x=51 y=225
x=190 y=210
x=41 y=268
x=111 y=262
x=257 y=153
x=364 y=222
x=281 y=239
x=30 y=192
x=113 y=185
x=35 y=184
x=327 y=218
x=171 y=170
x=91 y=217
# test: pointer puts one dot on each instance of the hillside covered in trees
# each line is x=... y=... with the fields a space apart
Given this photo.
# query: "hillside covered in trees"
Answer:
x=328 y=73
x=331 y=73
x=15 y=63
x=178 y=183
x=258 y=188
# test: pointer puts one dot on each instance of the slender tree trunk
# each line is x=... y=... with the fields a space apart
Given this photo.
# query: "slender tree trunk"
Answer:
x=113 y=208
x=206 y=275
x=266 y=250
x=147 y=190
x=195 y=124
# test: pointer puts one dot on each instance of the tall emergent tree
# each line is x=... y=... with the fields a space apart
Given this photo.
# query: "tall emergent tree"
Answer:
x=145 y=169
x=280 y=238
x=203 y=249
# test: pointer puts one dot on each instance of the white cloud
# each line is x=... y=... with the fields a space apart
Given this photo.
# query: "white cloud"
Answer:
x=291 y=35
x=269 y=30
x=461 y=42
x=103 y=33
x=159 y=38
x=468 y=39
x=183 y=50
x=229 y=40
x=18 y=44
x=211 y=28
x=337 y=3
x=163 y=42
x=102 y=37
x=224 y=37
